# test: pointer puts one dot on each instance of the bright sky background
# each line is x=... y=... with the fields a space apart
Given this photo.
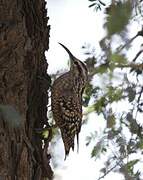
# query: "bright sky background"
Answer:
x=73 y=24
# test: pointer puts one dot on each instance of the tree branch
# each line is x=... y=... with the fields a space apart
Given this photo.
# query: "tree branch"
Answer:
x=101 y=177
x=140 y=33
x=136 y=66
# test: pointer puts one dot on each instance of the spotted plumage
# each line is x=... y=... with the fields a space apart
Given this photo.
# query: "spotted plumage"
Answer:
x=66 y=100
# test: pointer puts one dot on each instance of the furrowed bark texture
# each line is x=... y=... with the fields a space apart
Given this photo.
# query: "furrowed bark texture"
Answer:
x=24 y=37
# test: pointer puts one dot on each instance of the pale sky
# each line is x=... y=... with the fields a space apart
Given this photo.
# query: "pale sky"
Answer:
x=73 y=24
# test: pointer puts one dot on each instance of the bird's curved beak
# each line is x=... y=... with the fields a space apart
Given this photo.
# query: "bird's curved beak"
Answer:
x=72 y=57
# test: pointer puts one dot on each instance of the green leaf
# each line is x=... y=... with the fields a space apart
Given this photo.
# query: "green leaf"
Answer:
x=131 y=164
x=96 y=150
x=90 y=138
x=102 y=68
x=129 y=117
x=99 y=148
x=92 y=5
x=45 y=134
x=114 y=94
x=98 y=106
x=118 y=17
x=140 y=144
x=89 y=109
x=131 y=93
x=111 y=121
x=87 y=94
x=118 y=59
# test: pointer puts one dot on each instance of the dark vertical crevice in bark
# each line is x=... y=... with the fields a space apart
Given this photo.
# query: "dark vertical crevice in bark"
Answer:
x=24 y=37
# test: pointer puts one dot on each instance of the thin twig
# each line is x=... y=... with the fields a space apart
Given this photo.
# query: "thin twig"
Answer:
x=137 y=55
x=101 y=177
x=125 y=45
x=138 y=100
x=136 y=66
x=140 y=33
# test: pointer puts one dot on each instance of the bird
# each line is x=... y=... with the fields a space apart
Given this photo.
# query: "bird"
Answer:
x=66 y=101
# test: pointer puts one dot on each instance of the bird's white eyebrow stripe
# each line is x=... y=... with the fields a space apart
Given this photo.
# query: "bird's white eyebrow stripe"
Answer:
x=82 y=66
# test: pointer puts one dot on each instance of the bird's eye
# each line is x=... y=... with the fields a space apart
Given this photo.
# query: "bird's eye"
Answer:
x=79 y=67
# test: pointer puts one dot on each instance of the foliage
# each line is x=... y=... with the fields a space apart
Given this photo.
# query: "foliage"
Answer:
x=118 y=17
x=115 y=90
x=117 y=93
x=97 y=4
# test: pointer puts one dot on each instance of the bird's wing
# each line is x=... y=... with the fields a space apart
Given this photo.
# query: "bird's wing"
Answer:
x=71 y=115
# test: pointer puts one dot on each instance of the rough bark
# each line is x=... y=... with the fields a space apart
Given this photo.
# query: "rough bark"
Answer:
x=24 y=37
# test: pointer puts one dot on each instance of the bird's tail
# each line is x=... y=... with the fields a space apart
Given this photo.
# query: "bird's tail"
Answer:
x=68 y=139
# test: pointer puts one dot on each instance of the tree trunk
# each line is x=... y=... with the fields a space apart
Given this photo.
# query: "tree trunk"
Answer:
x=24 y=37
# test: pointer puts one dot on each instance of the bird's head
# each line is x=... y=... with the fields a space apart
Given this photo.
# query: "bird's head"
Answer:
x=78 y=70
